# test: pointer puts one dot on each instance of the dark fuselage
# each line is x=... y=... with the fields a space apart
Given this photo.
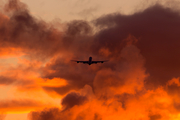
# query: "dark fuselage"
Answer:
x=90 y=61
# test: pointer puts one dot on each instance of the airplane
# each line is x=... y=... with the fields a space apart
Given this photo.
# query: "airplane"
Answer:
x=90 y=61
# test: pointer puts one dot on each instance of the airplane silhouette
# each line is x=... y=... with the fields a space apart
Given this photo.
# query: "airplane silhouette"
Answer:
x=90 y=61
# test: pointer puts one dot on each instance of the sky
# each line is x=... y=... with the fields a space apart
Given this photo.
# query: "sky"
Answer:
x=140 y=40
x=66 y=10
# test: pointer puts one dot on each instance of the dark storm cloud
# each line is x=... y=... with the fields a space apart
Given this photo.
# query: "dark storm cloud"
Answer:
x=78 y=27
x=127 y=41
x=68 y=102
x=155 y=33
x=51 y=114
x=47 y=114
x=6 y=80
x=155 y=117
x=60 y=90
x=21 y=30
x=157 y=30
x=73 y=99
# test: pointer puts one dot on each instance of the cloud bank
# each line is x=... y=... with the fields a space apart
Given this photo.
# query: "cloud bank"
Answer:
x=140 y=81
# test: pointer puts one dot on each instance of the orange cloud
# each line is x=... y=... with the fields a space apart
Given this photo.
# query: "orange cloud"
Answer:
x=19 y=106
x=140 y=80
x=11 y=52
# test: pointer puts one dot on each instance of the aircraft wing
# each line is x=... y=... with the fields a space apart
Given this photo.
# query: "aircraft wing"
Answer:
x=80 y=61
x=99 y=61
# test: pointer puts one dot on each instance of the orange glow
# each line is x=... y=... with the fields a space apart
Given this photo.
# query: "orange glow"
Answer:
x=55 y=82
x=11 y=52
x=139 y=81
x=174 y=81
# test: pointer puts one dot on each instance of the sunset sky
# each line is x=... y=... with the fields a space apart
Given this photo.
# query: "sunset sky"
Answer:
x=66 y=10
x=140 y=38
